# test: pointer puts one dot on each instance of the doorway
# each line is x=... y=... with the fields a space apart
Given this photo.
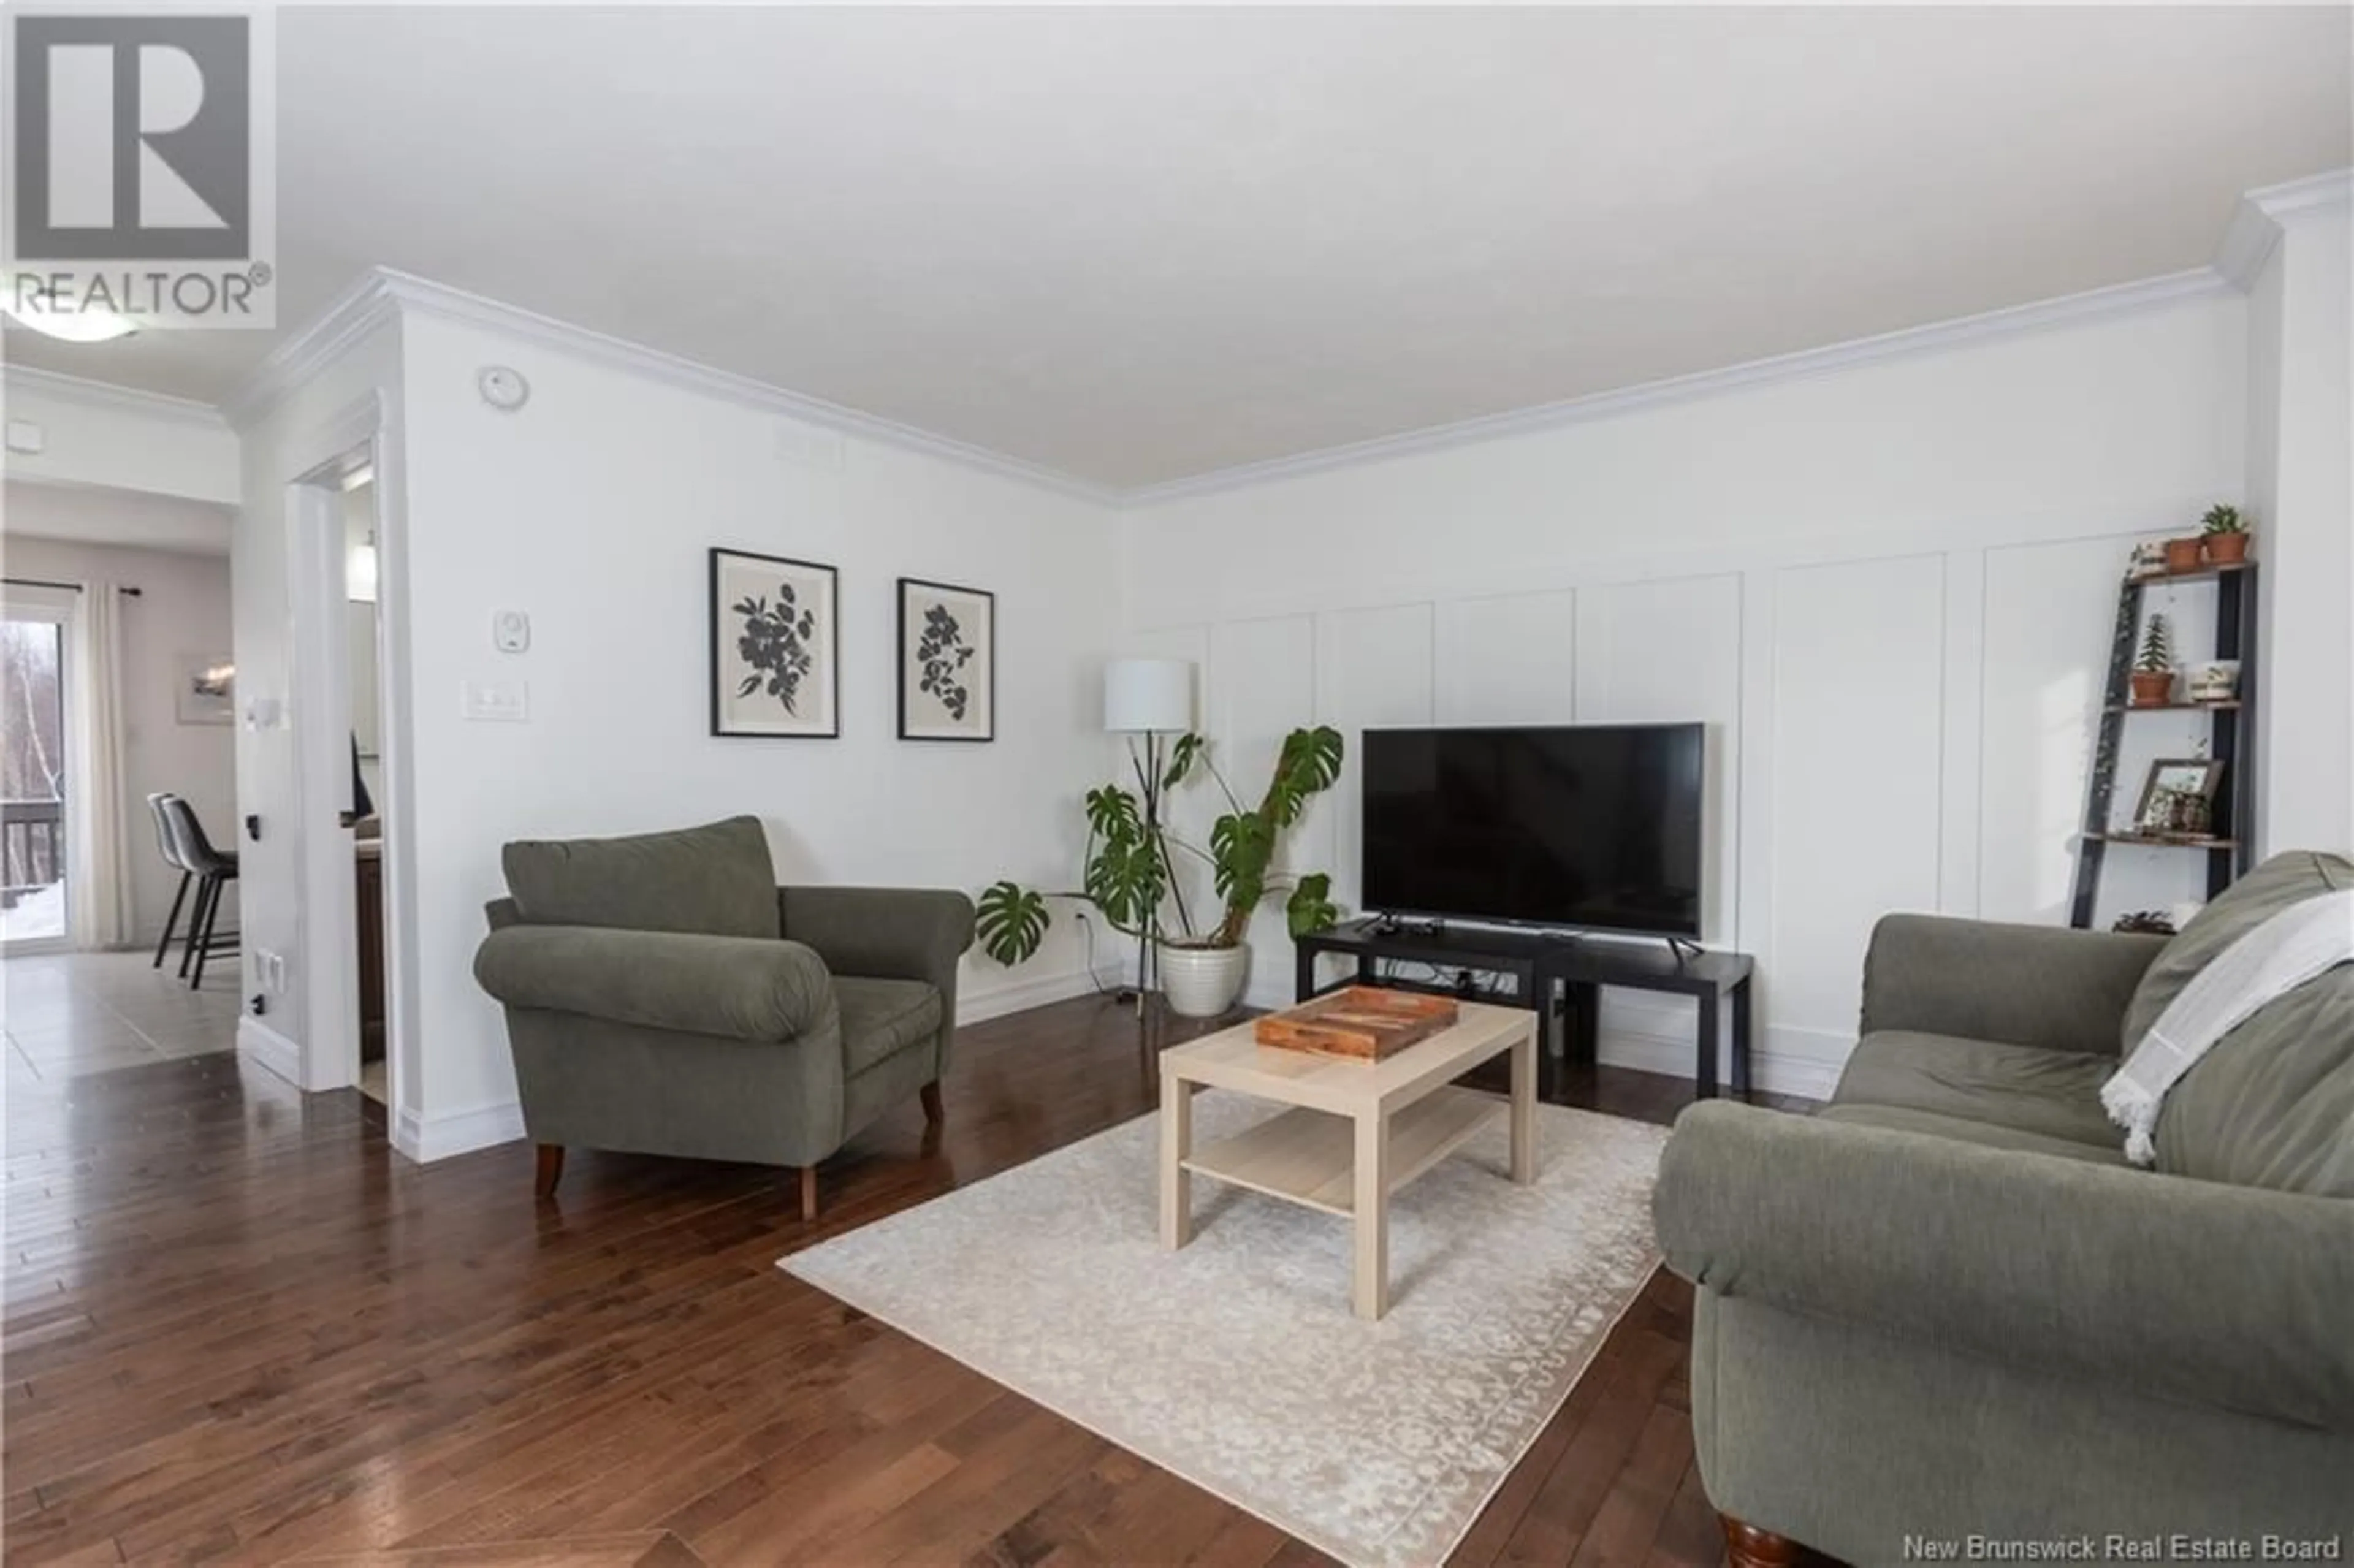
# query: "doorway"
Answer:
x=35 y=828
x=363 y=642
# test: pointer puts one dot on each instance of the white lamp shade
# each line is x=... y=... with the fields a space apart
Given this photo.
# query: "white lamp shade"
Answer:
x=1149 y=695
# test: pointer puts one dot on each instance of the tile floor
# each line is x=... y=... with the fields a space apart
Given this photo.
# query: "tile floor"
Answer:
x=70 y=1014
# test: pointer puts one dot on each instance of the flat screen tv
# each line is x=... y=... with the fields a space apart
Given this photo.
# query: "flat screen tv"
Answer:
x=1596 y=826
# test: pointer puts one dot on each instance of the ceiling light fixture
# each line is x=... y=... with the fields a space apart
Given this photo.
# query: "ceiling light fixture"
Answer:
x=46 y=310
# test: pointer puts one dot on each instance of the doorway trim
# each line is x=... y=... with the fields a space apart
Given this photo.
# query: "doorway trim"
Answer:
x=365 y=435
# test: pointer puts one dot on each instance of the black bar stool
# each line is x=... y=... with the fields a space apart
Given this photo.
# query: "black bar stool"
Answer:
x=213 y=869
x=171 y=853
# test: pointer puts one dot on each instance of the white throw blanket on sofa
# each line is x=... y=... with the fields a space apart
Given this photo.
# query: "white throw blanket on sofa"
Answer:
x=2278 y=956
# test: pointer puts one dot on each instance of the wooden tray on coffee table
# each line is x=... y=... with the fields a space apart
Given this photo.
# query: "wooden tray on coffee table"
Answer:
x=1363 y=1022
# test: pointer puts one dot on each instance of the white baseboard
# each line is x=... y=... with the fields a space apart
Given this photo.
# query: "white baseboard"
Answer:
x=269 y=1048
x=440 y=1136
x=1023 y=994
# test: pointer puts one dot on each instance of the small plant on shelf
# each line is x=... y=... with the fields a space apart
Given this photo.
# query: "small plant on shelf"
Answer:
x=2223 y=535
x=2155 y=922
x=2153 y=670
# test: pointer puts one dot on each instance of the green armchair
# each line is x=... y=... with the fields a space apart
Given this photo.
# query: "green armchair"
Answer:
x=663 y=996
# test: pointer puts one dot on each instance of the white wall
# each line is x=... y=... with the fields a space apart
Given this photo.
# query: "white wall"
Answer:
x=1888 y=590
x=183 y=609
x=94 y=434
x=2300 y=473
x=592 y=510
x=98 y=514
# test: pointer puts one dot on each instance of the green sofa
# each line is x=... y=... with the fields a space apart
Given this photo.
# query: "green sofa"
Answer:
x=665 y=996
x=1945 y=1307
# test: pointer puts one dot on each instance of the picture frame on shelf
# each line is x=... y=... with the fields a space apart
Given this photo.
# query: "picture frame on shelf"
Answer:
x=2178 y=796
x=776 y=667
x=948 y=662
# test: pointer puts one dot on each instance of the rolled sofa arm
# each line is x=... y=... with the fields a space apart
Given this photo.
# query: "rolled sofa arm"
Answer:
x=2215 y=1295
x=2022 y=985
x=739 y=987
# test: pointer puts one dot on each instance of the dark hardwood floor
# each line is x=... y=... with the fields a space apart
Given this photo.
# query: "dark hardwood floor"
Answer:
x=237 y=1328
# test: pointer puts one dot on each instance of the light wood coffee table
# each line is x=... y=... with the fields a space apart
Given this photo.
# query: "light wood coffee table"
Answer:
x=1358 y=1131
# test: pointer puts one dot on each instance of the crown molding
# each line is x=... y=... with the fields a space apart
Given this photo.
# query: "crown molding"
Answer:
x=359 y=310
x=2096 y=304
x=2256 y=223
x=106 y=395
x=438 y=299
x=382 y=293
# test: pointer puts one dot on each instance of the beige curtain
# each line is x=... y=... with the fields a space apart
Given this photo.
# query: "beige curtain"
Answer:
x=98 y=871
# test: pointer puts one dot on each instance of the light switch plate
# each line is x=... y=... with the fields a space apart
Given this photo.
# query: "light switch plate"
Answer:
x=495 y=701
x=25 y=437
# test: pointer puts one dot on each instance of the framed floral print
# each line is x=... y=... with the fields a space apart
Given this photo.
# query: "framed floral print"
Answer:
x=775 y=647
x=948 y=662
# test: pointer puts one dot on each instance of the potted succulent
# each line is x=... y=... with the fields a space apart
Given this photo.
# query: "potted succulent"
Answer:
x=1128 y=875
x=2224 y=534
x=2153 y=670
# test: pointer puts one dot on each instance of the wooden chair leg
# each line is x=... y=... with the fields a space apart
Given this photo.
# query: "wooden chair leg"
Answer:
x=1746 y=1546
x=809 y=1192
x=551 y=1170
x=932 y=1111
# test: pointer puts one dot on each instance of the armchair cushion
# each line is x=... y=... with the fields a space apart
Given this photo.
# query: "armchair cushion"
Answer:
x=716 y=880
x=2052 y=1094
x=881 y=1018
x=736 y=988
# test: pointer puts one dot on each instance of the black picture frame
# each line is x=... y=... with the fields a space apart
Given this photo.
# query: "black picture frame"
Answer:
x=2210 y=779
x=734 y=706
x=972 y=715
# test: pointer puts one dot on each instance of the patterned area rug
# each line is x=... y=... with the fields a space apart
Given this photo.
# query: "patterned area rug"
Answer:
x=1236 y=1361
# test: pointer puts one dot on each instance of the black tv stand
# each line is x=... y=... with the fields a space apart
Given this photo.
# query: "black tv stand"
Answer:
x=1537 y=962
x=1399 y=926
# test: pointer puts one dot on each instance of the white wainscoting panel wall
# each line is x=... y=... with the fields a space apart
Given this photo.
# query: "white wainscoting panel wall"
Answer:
x=1887 y=591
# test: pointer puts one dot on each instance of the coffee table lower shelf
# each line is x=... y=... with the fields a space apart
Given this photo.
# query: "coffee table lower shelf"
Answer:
x=1308 y=1156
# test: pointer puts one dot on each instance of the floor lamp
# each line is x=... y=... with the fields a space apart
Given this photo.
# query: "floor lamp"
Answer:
x=1152 y=698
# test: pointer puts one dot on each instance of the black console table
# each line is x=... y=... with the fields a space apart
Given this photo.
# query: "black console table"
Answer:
x=1536 y=963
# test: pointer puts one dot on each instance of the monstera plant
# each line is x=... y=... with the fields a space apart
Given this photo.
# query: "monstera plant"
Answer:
x=1128 y=876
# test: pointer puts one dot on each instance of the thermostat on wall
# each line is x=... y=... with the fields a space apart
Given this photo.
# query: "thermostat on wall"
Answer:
x=511 y=631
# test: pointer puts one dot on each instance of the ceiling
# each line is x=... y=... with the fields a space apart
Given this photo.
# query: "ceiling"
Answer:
x=1137 y=245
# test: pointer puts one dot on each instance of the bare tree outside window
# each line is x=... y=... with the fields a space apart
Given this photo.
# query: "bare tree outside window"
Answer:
x=32 y=778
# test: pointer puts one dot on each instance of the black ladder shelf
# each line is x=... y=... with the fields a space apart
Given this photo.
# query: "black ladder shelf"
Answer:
x=2229 y=844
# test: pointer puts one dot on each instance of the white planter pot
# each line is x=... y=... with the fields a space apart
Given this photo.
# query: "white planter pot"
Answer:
x=1202 y=982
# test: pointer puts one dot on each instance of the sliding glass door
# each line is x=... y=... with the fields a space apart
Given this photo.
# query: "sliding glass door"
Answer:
x=33 y=822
